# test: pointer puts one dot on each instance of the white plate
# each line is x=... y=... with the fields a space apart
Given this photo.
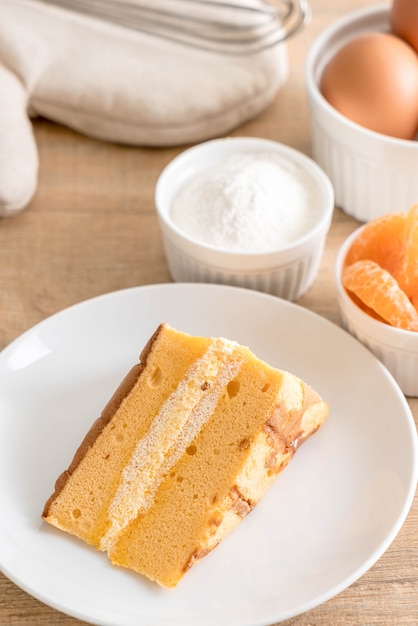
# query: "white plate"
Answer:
x=330 y=515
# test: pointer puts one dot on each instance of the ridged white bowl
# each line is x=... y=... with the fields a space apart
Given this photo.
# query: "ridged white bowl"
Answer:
x=397 y=349
x=372 y=174
x=286 y=272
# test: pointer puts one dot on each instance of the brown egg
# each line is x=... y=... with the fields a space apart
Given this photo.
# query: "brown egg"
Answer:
x=403 y=18
x=373 y=80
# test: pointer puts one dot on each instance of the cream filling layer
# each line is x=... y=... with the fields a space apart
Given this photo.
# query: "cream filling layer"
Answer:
x=172 y=431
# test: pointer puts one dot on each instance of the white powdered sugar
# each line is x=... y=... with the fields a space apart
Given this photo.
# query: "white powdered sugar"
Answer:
x=253 y=202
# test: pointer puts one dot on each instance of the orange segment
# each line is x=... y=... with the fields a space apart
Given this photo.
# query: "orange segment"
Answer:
x=407 y=271
x=381 y=240
x=379 y=290
x=370 y=312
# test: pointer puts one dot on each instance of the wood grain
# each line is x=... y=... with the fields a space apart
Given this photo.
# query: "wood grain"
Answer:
x=91 y=228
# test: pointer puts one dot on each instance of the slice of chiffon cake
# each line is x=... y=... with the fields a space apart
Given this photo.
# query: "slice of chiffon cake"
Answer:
x=186 y=447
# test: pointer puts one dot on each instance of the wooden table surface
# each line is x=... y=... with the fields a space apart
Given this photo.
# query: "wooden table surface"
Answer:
x=91 y=228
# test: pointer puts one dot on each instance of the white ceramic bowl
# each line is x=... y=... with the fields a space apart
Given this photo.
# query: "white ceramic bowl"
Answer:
x=372 y=174
x=397 y=349
x=286 y=272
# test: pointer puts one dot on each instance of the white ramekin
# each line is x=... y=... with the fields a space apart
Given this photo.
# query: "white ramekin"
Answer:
x=287 y=272
x=397 y=349
x=372 y=174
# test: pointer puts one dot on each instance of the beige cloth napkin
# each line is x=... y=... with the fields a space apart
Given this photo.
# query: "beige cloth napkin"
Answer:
x=115 y=84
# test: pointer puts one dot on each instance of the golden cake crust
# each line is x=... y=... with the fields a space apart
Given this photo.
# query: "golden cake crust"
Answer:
x=108 y=412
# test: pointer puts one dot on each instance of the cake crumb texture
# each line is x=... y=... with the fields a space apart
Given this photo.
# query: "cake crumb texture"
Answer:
x=186 y=447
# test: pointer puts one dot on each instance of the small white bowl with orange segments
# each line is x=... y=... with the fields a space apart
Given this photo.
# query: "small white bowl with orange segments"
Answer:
x=376 y=275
